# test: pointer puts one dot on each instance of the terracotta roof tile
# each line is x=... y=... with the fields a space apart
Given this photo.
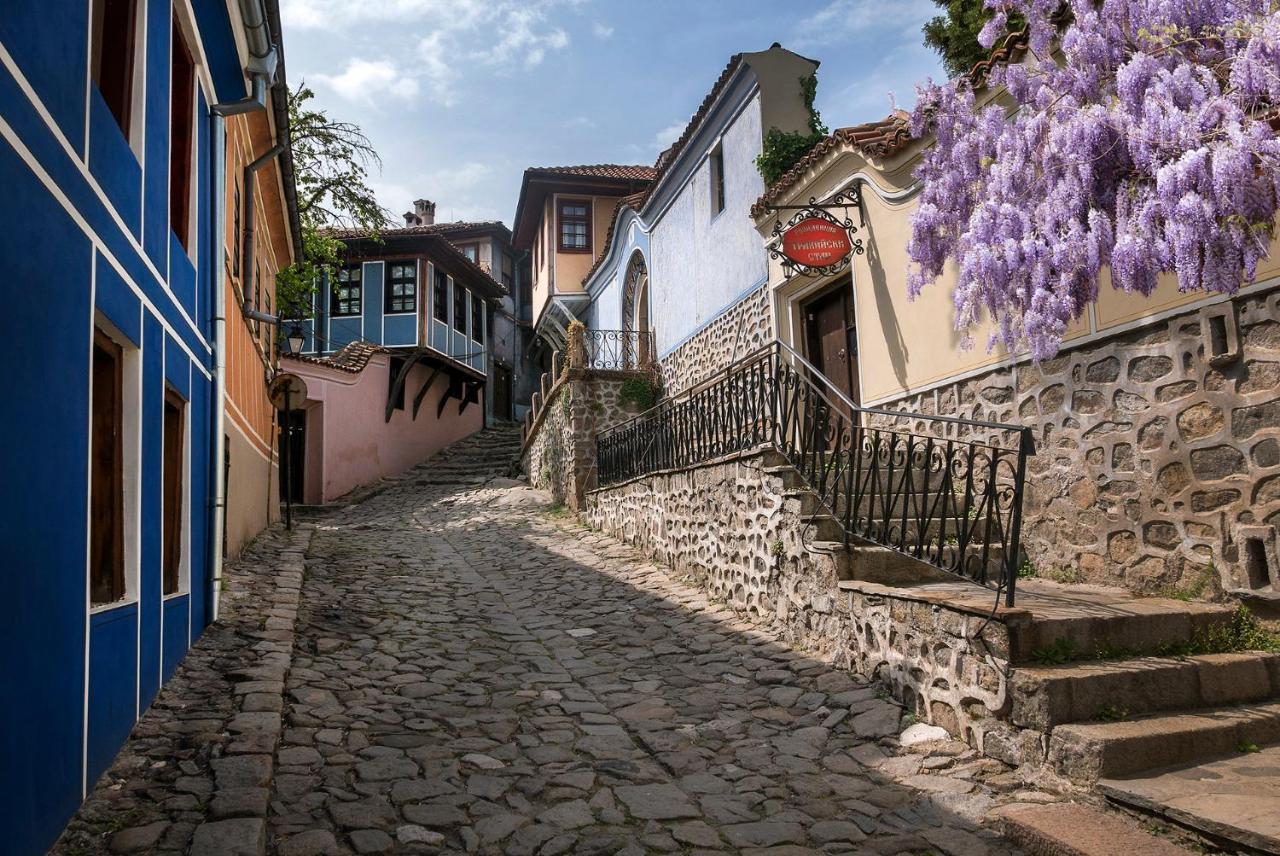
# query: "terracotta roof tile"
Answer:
x=621 y=172
x=888 y=136
x=432 y=229
x=351 y=358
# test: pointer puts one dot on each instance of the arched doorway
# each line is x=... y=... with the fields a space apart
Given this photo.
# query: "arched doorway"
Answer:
x=635 y=309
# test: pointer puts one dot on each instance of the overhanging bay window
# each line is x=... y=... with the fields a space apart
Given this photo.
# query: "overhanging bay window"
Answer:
x=402 y=287
x=440 y=297
x=346 y=297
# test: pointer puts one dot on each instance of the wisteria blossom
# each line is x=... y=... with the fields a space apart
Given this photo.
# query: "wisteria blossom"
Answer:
x=1135 y=134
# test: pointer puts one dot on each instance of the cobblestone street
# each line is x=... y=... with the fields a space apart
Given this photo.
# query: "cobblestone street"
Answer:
x=466 y=672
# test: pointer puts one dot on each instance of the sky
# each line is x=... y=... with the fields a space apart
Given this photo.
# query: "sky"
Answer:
x=460 y=96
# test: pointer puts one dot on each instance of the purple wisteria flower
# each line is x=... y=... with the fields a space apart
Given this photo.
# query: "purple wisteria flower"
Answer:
x=1138 y=135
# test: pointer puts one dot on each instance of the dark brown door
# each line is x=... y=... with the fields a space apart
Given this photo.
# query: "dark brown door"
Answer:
x=106 y=491
x=830 y=338
x=171 y=536
x=501 y=392
x=293 y=445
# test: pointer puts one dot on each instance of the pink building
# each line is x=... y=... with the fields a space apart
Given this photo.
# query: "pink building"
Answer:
x=341 y=436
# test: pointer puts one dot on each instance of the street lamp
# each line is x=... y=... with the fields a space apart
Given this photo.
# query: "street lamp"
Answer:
x=297 y=339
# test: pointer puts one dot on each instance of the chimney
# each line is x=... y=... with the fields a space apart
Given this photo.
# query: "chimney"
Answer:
x=410 y=218
x=425 y=210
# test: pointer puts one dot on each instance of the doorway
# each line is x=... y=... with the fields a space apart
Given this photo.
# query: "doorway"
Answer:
x=830 y=337
x=293 y=447
x=501 y=392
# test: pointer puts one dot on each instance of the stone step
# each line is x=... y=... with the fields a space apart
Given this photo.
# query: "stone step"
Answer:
x=1072 y=829
x=822 y=527
x=1233 y=800
x=1086 y=752
x=1073 y=623
x=1048 y=696
x=863 y=562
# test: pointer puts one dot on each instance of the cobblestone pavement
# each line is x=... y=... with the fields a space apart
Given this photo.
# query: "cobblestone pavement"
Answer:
x=472 y=674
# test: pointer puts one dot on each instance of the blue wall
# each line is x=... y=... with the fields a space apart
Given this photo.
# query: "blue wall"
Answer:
x=85 y=237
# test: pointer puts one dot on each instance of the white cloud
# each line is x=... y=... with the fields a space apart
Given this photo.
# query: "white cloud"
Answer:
x=601 y=31
x=365 y=80
x=460 y=192
x=668 y=135
x=838 y=20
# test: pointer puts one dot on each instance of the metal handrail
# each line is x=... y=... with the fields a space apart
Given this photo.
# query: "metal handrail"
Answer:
x=953 y=502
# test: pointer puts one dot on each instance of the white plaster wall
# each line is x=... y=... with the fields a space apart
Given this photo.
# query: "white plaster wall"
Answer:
x=700 y=264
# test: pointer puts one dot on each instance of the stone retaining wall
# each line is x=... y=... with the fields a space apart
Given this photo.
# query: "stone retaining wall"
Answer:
x=559 y=454
x=729 y=525
x=734 y=333
x=1157 y=462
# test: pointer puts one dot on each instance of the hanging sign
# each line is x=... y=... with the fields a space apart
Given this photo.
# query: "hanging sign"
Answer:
x=816 y=242
x=287 y=391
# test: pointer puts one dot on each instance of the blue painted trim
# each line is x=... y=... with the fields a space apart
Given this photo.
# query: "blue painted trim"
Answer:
x=722 y=310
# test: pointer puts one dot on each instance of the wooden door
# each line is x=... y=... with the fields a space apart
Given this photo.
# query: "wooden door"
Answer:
x=830 y=338
x=501 y=392
x=171 y=523
x=293 y=447
x=106 y=490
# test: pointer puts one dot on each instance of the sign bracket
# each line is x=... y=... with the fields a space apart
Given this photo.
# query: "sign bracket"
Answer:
x=846 y=199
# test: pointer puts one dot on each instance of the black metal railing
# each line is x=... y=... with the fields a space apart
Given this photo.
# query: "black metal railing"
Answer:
x=618 y=350
x=943 y=490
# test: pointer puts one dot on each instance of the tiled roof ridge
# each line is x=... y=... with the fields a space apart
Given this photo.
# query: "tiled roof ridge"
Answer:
x=886 y=137
x=423 y=229
x=351 y=358
x=622 y=172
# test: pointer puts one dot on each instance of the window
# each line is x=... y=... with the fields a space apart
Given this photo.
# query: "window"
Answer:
x=393 y=371
x=472 y=252
x=346 y=292
x=441 y=297
x=459 y=308
x=106 y=490
x=181 y=119
x=402 y=287
x=715 y=164
x=235 y=233
x=114 y=25
x=477 y=318
x=575 y=225
x=171 y=544
x=507 y=267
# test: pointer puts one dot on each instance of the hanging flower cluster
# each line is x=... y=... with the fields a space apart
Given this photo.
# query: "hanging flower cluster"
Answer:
x=1137 y=136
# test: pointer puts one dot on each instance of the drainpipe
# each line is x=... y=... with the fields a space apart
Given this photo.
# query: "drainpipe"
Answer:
x=261 y=68
x=250 y=225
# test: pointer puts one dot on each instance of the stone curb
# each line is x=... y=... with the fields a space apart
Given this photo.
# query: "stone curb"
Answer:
x=237 y=813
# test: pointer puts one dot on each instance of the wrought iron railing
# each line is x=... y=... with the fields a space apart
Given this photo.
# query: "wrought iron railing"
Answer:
x=940 y=489
x=618 y=350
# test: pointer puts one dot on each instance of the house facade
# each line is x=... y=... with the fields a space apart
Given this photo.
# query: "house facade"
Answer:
x=113 y=158
x=263 y=236
x=396 y=361
x=682 y=260
x=564 y=216
x=512 y=374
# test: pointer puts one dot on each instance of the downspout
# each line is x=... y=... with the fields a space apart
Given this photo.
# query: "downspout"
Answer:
x=250 y=225
x=261 y=68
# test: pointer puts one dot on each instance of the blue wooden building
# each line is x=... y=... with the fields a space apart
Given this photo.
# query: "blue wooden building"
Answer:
x=111 y=149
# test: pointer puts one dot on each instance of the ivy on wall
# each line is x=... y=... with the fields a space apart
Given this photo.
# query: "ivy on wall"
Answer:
x=783 y=149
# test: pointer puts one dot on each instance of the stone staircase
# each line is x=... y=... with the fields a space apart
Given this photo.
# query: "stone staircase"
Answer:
x=1104 y=690
x=486 y=454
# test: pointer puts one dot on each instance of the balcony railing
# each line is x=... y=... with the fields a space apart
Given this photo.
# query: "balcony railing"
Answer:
x=943 y=490
x=618 y=350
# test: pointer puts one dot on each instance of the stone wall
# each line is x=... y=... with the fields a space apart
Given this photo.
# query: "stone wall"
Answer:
x=729 y=524
x=559 y=454
x=1158 y=464
x=734 y=333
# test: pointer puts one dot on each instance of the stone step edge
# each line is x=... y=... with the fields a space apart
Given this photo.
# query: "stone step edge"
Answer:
x=1087 y=752
x=1072 y=829
x=1027 y=683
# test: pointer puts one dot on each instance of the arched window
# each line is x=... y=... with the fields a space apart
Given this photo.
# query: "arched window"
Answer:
x=635 y=309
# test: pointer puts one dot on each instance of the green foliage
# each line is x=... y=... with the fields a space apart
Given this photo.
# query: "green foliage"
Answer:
x=1111 y=713
x=1056 y=653
x=1194 y=589
x=783 y=149
x=331 y=161
x=1244 y=747
x=640 y=393
x=777 y=548
x=557 y=511
x=1027 y=570
x=954 y=34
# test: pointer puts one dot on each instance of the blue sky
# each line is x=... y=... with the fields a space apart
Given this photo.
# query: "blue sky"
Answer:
x=459 y=96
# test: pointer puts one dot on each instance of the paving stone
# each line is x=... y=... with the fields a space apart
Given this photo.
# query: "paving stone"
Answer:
x=370 y=841
x=313 y=842
x=658 y=801
x=239 y=837
x=138 y=838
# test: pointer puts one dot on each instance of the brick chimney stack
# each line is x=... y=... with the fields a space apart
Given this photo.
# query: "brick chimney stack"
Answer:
x=423 y=213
